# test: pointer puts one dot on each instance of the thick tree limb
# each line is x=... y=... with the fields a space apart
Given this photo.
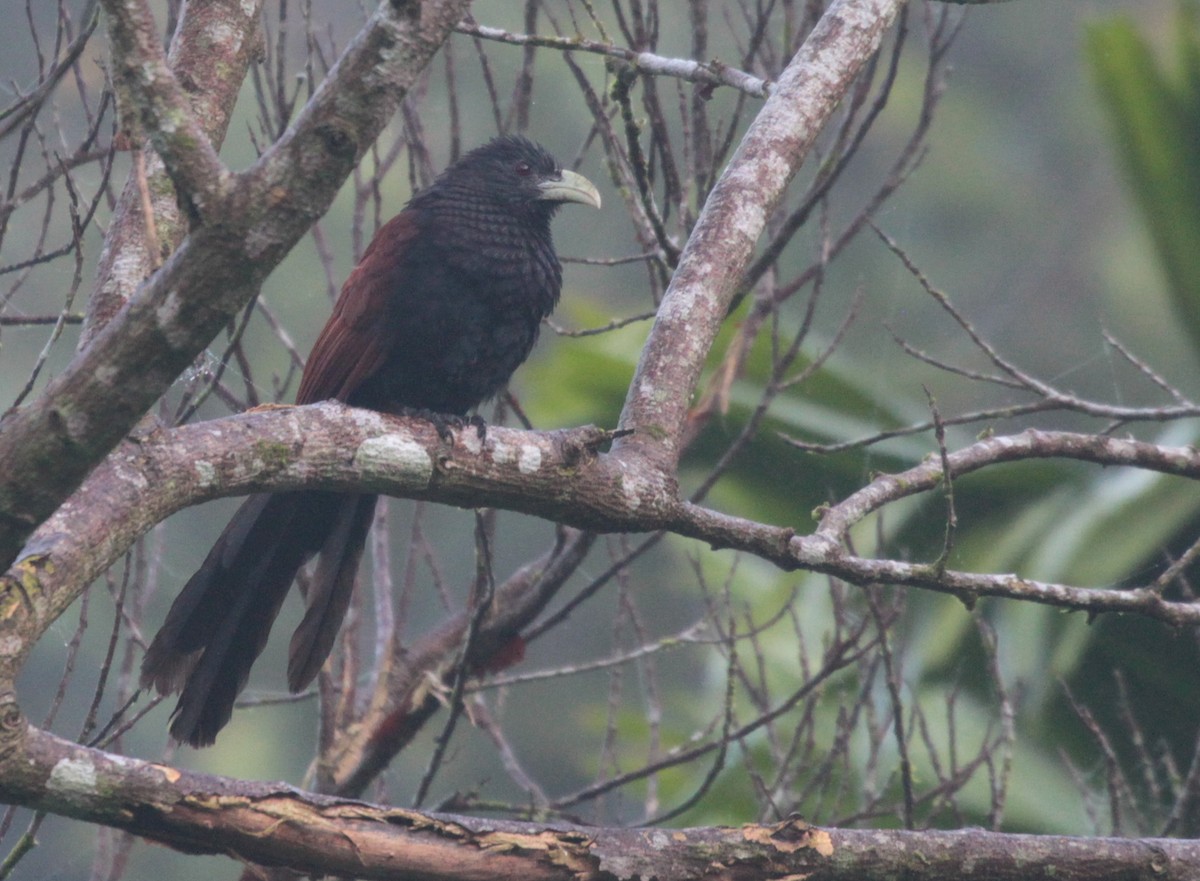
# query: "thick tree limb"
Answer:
x=560 y=476
x=721 y=244
x=276 y=825
x=143 y=78
x=210 y=54
x=557 y=475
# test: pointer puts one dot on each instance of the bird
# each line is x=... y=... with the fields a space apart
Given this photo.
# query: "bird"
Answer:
x=443 y=307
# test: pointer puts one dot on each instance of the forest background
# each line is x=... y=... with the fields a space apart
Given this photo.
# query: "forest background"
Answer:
x=1019 y=208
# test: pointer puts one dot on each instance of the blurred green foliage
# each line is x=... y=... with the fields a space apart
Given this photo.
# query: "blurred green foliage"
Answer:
x=1155 y=114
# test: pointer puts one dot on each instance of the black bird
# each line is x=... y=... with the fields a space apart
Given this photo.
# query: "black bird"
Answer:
x=443 y=307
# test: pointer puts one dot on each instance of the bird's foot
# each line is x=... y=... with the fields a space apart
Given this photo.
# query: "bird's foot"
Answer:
x=480 y=426
x=445 y=423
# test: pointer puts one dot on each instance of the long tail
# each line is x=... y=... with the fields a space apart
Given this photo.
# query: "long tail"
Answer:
x=220 y=621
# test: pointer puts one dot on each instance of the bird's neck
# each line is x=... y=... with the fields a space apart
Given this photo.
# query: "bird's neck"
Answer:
x=450 y=202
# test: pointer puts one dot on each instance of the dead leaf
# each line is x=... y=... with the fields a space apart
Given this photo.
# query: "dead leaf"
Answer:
x=791 y=836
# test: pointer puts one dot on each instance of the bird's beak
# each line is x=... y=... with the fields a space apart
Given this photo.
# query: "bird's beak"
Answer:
x=569 y=187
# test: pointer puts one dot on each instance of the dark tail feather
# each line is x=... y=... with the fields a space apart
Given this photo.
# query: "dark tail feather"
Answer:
x=220 y=621
x=329 y=591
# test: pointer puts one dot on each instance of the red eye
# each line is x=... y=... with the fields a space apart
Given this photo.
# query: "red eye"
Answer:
x=523 y=169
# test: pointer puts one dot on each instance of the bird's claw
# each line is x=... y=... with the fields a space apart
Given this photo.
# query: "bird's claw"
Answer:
x=480 y=426
x=445 y=423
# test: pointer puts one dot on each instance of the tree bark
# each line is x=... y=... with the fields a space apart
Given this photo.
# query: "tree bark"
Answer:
x=274 y=824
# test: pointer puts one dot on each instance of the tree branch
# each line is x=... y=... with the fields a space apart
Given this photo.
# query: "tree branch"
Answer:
x=277 y=825
x=210 y=54
x=710 y=73
x=734 y=216
x=559 y=476
x=144 y=80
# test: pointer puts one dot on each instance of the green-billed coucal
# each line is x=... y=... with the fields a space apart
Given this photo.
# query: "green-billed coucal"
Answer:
x=444 y=306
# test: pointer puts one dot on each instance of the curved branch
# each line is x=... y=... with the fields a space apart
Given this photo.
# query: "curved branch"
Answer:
x=823 y=550
x=556 y=475
x=837 y=520
x=559 y=476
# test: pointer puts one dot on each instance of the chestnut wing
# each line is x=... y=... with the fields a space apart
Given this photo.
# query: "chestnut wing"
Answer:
x=356 y=340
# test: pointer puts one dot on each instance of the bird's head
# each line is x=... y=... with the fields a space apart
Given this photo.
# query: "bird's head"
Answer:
x=520 y=175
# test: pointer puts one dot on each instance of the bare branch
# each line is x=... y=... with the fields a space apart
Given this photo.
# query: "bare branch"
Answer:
x=710 y=73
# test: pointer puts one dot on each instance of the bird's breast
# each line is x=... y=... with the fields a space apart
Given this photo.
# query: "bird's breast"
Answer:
x=463 y=316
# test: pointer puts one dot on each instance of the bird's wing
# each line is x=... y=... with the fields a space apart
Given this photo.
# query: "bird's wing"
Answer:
x=355 y=341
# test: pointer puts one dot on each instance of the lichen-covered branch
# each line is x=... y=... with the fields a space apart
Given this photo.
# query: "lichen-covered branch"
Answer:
x=561 y=476
x=207 y=63
x=734 y=216
x=156 y=106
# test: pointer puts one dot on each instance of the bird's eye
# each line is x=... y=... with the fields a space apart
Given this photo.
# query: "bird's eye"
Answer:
x=523 y=169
